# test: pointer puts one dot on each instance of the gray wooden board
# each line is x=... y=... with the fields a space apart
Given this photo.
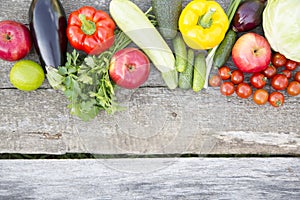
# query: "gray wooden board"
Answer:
x=172 y=178
x=157 y=120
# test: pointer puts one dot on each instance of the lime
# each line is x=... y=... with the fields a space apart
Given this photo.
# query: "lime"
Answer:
x=27 y=75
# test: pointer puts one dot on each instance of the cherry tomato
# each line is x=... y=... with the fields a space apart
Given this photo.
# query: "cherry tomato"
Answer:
x=237 y=76
x=270 y=71
x=287 y=73
x=243 y=90
x=278 y=60
x=227 y=88
x=279 y=82
x=215 y=81
x=276 y=99
x=260 y=97
x=224 y=72
x=293 y=88
x=258 y=80
x=290 y=65
x=297 y=76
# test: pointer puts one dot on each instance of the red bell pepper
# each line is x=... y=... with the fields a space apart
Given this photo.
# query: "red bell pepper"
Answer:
x=90 y=30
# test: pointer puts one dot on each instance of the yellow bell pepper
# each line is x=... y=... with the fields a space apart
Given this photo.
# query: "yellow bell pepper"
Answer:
x=203 y=24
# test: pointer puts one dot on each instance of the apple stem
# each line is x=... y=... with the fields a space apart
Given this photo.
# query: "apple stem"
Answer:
x=8 y=36
x=131 y=67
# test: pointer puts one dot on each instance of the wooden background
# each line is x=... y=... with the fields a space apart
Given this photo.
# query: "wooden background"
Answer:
x=157 y=121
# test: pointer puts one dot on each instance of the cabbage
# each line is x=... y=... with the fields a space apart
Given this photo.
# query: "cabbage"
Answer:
x=281 y=25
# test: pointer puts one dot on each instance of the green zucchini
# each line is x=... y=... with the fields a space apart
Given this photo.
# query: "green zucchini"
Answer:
x=134 y=23
x=167 y=13
x=224 y=49
x=180 y=53
x=186 y=77
x=199 y=72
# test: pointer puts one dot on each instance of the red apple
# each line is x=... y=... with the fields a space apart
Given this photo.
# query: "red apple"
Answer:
x=251 y=53
x=129 y=68
x=15 y=40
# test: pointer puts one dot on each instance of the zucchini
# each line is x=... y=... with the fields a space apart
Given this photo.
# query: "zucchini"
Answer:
x=134 y=23
x=199 y=72
x=186 y=77
x=180 y=53
x=224 y=49
x=167 y=13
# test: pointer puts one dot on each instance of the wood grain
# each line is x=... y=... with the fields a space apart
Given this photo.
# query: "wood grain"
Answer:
x=173 y=178
x=157 y=120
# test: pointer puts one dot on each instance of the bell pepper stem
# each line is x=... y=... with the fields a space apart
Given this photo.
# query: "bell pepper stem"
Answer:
x=206 y=20
x=87 y=26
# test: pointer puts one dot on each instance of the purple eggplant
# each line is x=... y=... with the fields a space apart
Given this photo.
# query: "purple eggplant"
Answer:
x=48 y=25
x=248 y=15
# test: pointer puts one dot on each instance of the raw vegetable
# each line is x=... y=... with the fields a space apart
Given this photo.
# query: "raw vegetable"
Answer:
x=209 y=59
x=281 y=27
x=48 y=25
x=180 y=53
x=90 y=30
x=167 y=14
x=199 y=72
x=203 y=24
x=276 y=99
x=223 y=51
x=248 y=15
x=132 y=21
x=186 y=77
x=86 y=83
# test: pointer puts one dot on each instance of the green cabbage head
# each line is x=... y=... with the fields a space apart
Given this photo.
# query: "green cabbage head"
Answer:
x=281 y=24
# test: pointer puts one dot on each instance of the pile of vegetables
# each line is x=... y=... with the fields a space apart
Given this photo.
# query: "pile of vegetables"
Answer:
x=202 y=36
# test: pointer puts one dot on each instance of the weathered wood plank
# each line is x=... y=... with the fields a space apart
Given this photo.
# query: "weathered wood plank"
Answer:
x=156 y=121
x=185 y=178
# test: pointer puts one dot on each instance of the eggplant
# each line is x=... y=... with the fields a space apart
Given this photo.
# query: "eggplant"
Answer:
x=248 y=15
x=48 y=24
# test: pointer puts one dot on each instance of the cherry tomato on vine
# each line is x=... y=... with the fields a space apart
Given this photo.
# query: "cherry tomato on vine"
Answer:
x=243 y=90
x=237 y=76
x=270 y=71
x=278 y=60
x=224 y=72
x=227 y=88
x=276 y=99
x=290 y=65
x=279 y=82
x=258 y=80
x=287 y=73
x=297 y=76
x=215 y=80
x=260 y=97
x=293 y=88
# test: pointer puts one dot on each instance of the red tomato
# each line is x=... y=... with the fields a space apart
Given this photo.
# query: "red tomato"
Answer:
x=237 y=76
x=270 y=71
x=287 y=73
x=258 y=80
x=260 y=96
x=276 y=99
x=290 y=65
x=224 y=72
x=215 y=81
x=227 y=88
x=297 y=76
x=293 y=88
x=243 y=90
x=279 y=82
x=278 y=60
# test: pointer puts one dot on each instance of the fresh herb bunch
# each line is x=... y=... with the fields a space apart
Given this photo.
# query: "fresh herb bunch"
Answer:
x=86 y=82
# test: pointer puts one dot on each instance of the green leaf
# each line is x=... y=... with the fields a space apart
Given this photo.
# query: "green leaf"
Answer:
x=84 y=78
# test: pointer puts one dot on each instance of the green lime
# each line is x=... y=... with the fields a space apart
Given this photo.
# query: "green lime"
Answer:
x=27 y=75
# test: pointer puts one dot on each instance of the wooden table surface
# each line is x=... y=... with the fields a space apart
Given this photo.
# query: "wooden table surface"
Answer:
x=157 y=121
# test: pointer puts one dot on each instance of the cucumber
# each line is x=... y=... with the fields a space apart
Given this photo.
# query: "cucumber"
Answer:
x=224 y=50
x=180 y=53
x=199 y=72
x=167 y=14
x=186 y=77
